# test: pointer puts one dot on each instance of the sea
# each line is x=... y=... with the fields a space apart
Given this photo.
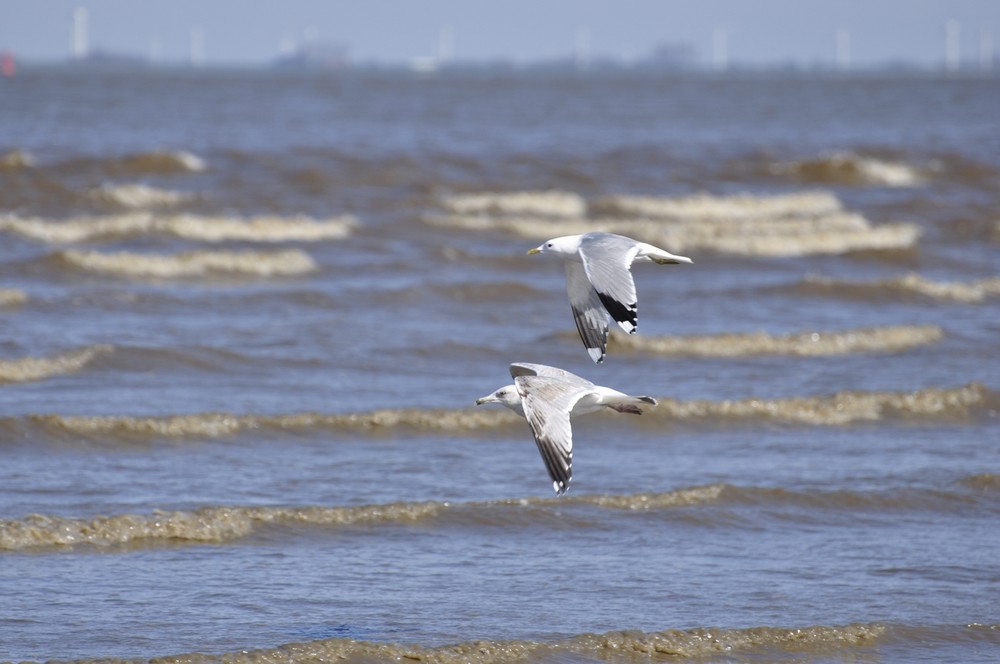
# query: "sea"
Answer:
x=245 y=316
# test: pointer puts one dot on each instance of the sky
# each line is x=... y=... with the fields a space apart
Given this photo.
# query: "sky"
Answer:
x=752 y=32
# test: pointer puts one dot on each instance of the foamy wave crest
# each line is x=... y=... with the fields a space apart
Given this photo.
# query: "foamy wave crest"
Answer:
x=782 y=643
x=552 y=203
x=209 y=524
x=863 y=340
x=193 y=264
x=187 y=226
x=749 y=225
x=10 y=297
x=138 y=195
x=17 y=160
x=162 y=161
x=839 y=409
x=38 y=368
x=725 y=208
x=231 y=523
x=214 y=425
x=225 y=524
x=911 y=284
x=852 y=168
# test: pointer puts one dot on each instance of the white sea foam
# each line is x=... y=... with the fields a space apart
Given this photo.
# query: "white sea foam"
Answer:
x=10 y=297
x=37 y=368
x=138 y=195
x=835 y=234
x=768 y=225
x=16 y=160
x=914 y=284
x=193 y=264
x=187 y=226
x=552 y=203
x=727 y=208
x=852 y=168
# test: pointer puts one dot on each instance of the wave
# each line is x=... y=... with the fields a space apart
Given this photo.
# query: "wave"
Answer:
x=616 y=646
x=221 y=524
x=852 y=169
x=38 y=368
x=226 y=524
x=779 y=226
x=840 y=409
x=725 y=208
x=186 y=226
x=11 y=297
x=862 y=340
x=213 y=425
x=908 y=284
x=17 y=160
x=191 y=264
x=138 y=195
x=773 y=238
x=552 y=203
x=155 y=162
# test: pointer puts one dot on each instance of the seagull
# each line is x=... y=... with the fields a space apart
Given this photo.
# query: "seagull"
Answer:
x=548 y=397
x=599 y=281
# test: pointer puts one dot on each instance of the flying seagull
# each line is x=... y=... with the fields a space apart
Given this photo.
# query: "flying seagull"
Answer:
x=599 y=281
x=547 y=397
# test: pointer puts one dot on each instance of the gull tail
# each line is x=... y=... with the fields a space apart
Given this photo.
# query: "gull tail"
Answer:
x=661 y=256
x=670 y=259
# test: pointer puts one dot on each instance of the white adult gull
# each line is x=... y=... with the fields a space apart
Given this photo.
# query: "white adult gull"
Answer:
x=599 y=281
x=548 y=397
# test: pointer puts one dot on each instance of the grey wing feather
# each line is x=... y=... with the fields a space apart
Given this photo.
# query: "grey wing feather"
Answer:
x=547 y=406
x=589 y=312
x=529 y=369
x=607 y=259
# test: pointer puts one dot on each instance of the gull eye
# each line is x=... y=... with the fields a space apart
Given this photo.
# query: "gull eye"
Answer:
x=549 y=245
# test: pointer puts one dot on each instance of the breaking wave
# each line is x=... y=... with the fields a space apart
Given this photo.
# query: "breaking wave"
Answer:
x=616 y=646
x=909 y=284
x=156 y=162
x=552 y=203
x=214 y=425
x=840 y=409
x=791 y=225
x=852 y=169
x=17 y=160
x=726 y=208
x=38 y=368
x=225 y=524
x=186 y=226
x=863 y=340
x=10 y=297
x=138 y=195
x=192 y=264
x=218 y=524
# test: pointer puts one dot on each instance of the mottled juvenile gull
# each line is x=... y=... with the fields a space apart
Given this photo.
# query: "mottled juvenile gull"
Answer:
x=547 y=397
x=599 y=281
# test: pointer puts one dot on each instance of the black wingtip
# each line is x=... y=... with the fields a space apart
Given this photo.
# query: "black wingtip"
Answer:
x=624 y=314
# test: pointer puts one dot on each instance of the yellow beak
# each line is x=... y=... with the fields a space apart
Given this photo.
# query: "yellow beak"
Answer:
x=536 y=250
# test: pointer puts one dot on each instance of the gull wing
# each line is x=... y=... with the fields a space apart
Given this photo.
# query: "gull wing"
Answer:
x=547 y=405
x=528 y=369
x=606 y=261
x=589 y=311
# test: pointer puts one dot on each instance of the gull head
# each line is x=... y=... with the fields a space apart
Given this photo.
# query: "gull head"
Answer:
x=567 y=244
x=506 y=396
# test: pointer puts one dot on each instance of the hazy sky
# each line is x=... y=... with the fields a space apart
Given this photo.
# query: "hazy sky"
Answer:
x=757 y=31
